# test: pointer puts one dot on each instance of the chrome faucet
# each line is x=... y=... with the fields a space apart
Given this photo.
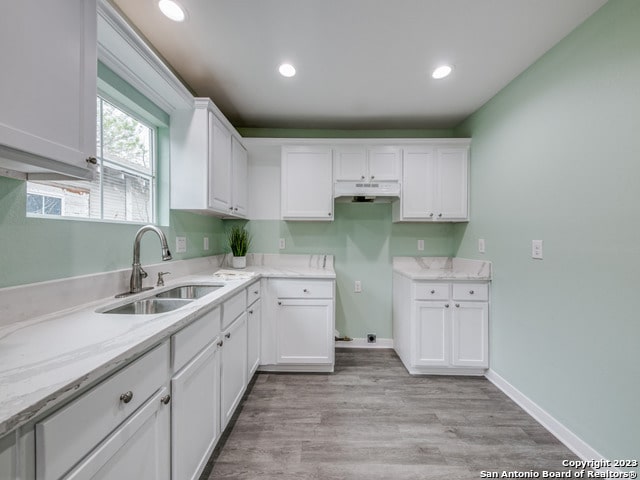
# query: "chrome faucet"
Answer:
x=137 y=272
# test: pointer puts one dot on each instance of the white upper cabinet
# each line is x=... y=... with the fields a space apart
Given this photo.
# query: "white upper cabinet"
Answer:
x=354 y=163
x=307 y=183
x=208 y=163
x=48 y=86
x=434 y=184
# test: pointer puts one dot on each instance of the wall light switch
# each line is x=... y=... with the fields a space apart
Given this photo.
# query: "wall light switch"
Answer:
x=536 y=249
x=283 y=244
x=181 y=244
x=421 y=245
x=205 y=244
x=481 y=245
x=358 y=287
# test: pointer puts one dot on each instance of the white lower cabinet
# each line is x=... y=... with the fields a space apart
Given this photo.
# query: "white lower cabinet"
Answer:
x=304 y=331
x=233 y=371
x=441 y=328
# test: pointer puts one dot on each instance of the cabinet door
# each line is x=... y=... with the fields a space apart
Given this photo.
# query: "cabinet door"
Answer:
x=138 y=449
x=305 y=331
x=350 y=164
x=384 y=163
x=239 y=175
x=48 y=84
x=219 y=166
x=233 y=370
x=254 y=338
x=307 y=184
x=195 y=410
x=419 y=183
x=432 y=334
x=470 y=335
x=452 y=180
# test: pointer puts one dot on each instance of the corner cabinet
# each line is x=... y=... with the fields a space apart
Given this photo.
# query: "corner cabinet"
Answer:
x=435 y=181
x=208 y=163
x=48 y=86
x=307 y=183
x=441 y=328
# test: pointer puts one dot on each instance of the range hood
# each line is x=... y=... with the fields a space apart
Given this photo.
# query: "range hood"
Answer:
x=360 y=192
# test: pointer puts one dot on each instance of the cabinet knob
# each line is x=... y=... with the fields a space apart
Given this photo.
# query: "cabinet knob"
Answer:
x=470 y=292
x=256 y=292
x=305 y=290
x=220 y=343
x=457 y=305
x=439 y=215
x=432 y=292
x=362 y=177
x=446 y=305
x=228 y=335
x=372 y=177
x=250 y=312
x=235 y=208
x=166 y=399
x=230 y=208
x=431 y=214
x=329 y=213
x=279 y=303
x=92 y=160
x=126 y=397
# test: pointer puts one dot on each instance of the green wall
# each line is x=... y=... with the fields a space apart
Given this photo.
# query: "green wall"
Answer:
x=363 y=240
x=556 y=156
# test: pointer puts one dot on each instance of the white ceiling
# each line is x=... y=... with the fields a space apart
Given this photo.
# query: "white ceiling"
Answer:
x=361 y=63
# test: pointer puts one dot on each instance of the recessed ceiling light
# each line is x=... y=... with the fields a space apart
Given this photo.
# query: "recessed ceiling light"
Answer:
x=172 y=10
x=287 y=70
x=441 y=72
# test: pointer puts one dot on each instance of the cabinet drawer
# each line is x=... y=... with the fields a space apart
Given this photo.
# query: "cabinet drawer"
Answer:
x=232 y=308
x=303 y=289
x=65 y=437
x=470 y=291
x=253 y=293
x=431 y=291
x=190 y=340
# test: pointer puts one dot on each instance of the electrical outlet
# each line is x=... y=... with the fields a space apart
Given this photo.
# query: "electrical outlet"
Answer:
x=371 y=338
x=358 y=286
x=181 y=244
x=536 y=249
x=481 y=245
x=282 y=244
x=205 y=244
x=421 y=245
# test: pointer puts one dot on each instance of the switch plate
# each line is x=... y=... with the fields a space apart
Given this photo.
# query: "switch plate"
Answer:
x=421 y=245
x=282 y=244
x=205 y=243
x=536 y=249
x=181 y=244
x=481 y=245
x=357 y=286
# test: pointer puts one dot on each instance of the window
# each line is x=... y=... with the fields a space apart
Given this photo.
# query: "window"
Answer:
x=124 y=185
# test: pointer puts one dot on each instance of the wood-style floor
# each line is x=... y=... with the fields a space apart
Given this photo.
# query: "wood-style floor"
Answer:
x=372 y=420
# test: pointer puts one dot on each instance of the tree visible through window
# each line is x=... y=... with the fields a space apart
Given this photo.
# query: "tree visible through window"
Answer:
x=124 y=185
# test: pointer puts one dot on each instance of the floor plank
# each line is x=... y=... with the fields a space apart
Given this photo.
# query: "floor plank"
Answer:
x=372 y=420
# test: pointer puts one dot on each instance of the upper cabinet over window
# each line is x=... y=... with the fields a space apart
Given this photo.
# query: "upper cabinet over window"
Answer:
x=48 y=86
x=208 y=168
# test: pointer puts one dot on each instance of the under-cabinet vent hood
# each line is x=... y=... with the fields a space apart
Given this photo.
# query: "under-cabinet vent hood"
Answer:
x=362 y=192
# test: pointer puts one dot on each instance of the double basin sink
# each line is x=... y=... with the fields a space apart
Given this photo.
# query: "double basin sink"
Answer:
x=166 y=301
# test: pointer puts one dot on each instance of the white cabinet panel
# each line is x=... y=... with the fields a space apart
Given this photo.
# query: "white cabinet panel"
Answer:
x=233 y=371
x=219 y=166
x=359 y=163
x=432 y=333
x=305 y=331
x=239 y=176
x=418 y=183
x=384 y=163
x=470 y=334
x=48 y=85
x=350 y=163
x=195 y=410
x=452 y=180
x=307 y=184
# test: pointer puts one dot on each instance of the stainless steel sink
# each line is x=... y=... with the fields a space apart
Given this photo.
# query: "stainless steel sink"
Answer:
x=190 y=292
x=149 y=306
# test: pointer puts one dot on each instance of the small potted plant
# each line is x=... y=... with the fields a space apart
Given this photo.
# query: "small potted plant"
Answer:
x=239 y=241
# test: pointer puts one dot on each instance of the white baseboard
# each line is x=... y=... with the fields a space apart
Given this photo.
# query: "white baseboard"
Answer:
x=557 y=429
x=362 y=343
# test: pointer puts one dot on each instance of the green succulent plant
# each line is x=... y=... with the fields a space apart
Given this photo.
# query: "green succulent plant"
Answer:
x=239 y=241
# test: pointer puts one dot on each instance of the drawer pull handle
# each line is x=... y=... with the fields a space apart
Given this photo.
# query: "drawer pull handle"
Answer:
x=446 y=305
x=126 y=397
x=470 y=292
x=250 y=312
x=220 y=343
x=228 y=335
x=457 y=305
x=432 y=292
x=166 y=399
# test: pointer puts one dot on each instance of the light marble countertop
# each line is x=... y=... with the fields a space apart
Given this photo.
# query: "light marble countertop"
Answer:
x=44 y=360
x=442 y=268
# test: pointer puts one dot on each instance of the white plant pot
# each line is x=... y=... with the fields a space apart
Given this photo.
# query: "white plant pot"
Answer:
x=239 y=262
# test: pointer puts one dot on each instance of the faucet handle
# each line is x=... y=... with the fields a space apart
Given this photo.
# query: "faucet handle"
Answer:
x=160 y=282
x=143 y=274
